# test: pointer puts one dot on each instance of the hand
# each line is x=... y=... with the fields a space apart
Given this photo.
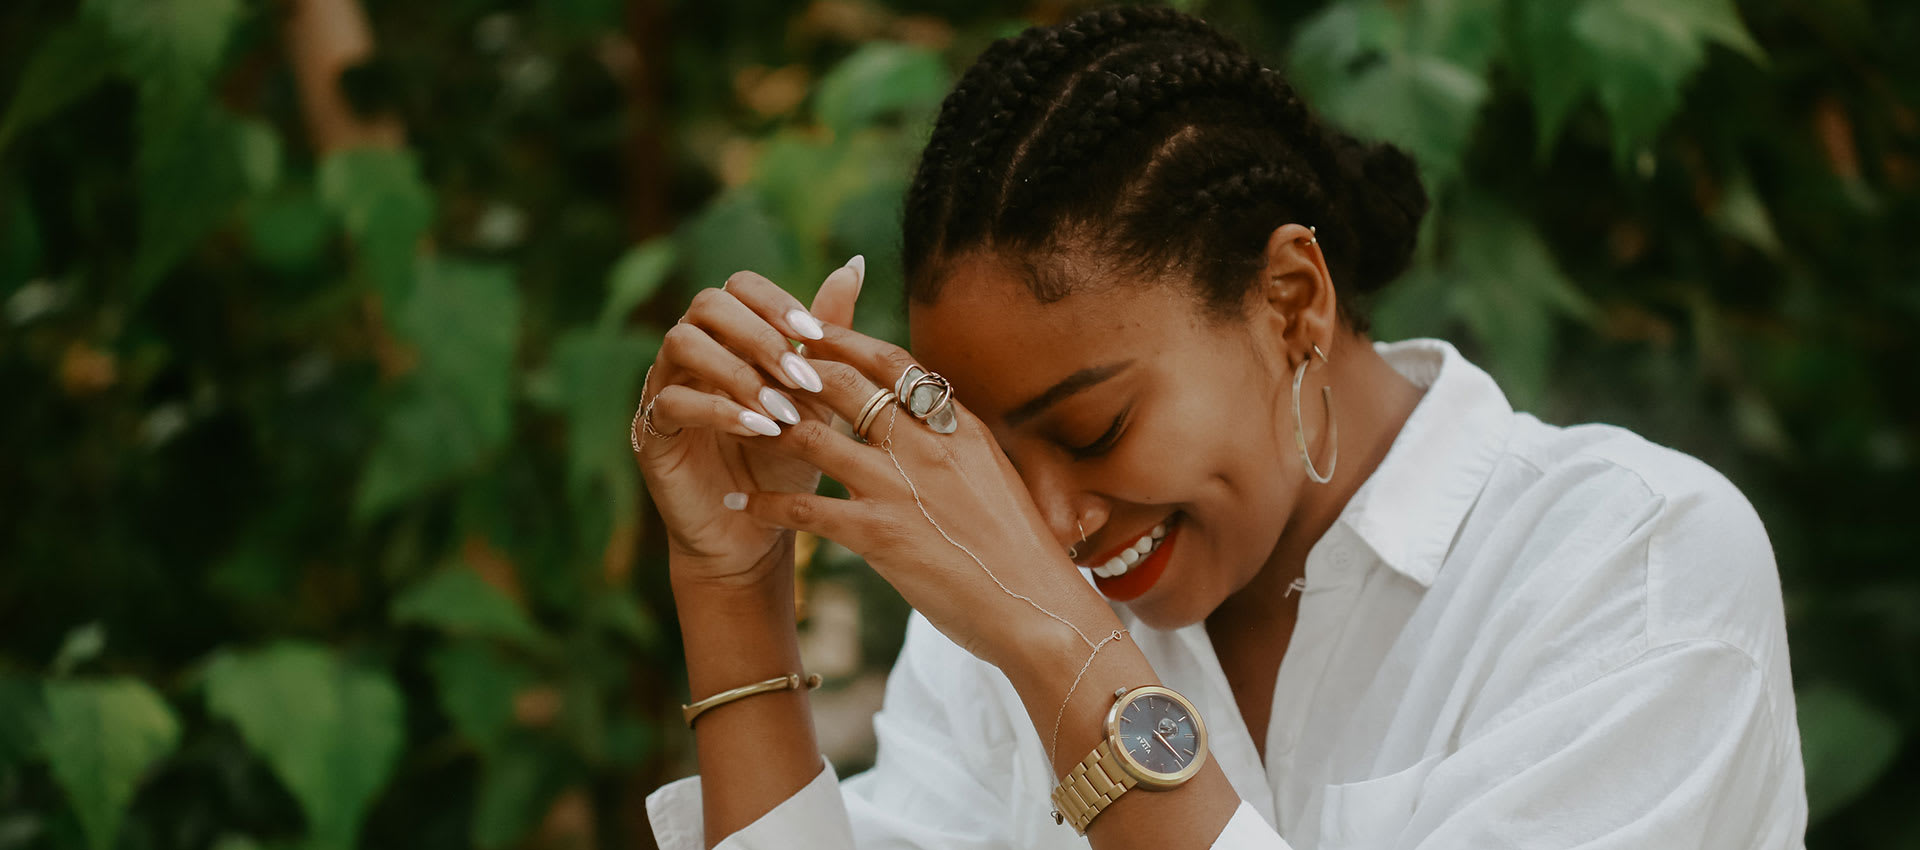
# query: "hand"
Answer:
x=965 y=482
x=725 y=379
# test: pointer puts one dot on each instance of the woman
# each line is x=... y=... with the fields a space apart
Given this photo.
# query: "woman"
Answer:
x=1386 y=610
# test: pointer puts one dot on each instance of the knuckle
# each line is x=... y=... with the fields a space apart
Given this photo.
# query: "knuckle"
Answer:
x=720 y=408
x=705 y=301
x=674 y=342
x=841 y=377
x=810 y=437
x=745 y=379
x=803 y=511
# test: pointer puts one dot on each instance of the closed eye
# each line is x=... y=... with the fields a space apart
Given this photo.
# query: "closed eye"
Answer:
x=1105 y=442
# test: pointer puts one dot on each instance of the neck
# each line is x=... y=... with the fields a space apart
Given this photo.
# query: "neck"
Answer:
x=1371 y=402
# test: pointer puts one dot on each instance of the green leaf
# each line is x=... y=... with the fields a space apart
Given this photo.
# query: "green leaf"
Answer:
x=1501 y=281
x=70 y=62
x=1635 y=55
x=193 y=175
x=288 y=230
x=1335 y=41
x=1424 y=104
x=735 y=232
x=20 y=238
x=465 y=322
x=879 y=80
x=457 y=407
x=517 y=786
x=456 y=600
x=172 y=39
x=636 y=276
x=1466 y=33
x=1846 y=742
x=22 y=719
x=386 y=208
x=476 y=689
x=101 y=737
x=590 y=369
x=330 y=730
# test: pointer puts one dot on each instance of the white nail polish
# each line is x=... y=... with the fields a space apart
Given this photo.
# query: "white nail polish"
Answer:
x=802 y=374
x=759 y=424
x=804 y=323
x=779 y=406
x=859 y=266
x=734 y=501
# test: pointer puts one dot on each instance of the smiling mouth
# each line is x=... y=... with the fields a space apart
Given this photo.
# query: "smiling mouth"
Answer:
x=1132 y=570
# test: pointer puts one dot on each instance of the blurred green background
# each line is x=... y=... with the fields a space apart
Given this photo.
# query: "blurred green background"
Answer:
x=317 y=522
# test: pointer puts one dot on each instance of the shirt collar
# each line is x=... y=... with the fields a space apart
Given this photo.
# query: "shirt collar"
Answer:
x=1409 y=510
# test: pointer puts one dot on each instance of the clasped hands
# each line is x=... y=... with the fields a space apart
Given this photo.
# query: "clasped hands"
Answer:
x=916 y=497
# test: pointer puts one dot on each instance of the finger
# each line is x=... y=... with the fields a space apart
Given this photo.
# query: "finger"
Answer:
x=776 y=306
x=880 y=360
x=693 y=352
x=745 y=332
x=835 y=454
x=834 y=303
x=679 y=406
x=838 y=520
x=844 y=388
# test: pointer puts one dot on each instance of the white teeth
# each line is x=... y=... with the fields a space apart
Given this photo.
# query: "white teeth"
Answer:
x=1116 y=567
x=1159 y=531
x=1143 y=545
x=1130 y=556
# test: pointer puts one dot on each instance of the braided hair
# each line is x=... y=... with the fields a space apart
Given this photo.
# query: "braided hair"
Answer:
x=1145 y=139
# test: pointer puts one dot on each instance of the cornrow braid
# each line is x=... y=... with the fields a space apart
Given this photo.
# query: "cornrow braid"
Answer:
x=1153 y=140
x=1012 y=76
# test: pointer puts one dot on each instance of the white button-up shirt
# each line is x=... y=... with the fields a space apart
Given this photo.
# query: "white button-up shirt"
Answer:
x=1516 y=635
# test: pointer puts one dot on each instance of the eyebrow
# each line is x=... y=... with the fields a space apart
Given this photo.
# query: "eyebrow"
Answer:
x=1067 y=387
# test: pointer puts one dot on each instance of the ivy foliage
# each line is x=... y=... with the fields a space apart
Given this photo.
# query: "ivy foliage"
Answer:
x=317 y=521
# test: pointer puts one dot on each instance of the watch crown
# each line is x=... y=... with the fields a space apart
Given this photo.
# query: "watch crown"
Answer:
x=1120 y=691
x=1058 y=818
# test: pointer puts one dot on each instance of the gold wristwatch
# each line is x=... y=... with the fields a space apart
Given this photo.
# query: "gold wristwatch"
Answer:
x=1155 y=740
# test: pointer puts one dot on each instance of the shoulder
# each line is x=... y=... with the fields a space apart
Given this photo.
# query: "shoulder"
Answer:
x=1673 y=530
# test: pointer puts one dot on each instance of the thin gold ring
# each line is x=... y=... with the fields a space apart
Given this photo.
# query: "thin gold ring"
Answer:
x=871 y=410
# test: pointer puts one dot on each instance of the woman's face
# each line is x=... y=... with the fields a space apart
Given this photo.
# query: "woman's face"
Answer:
x=1128 y=409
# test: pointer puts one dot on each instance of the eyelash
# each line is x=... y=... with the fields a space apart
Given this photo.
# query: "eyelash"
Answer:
x=1105 y=442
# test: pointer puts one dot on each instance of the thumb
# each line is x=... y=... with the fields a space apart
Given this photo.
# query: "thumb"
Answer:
x=834 y=302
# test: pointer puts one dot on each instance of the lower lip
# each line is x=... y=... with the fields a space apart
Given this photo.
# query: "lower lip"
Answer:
x=1141 y=578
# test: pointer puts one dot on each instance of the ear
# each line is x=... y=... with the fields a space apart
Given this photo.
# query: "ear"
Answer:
x=1297 y=299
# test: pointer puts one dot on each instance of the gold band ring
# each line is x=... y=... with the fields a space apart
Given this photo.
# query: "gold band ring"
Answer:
x=871 y=411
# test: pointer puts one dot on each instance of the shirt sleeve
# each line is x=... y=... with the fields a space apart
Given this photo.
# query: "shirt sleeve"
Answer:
x=942 y=779
x=814 y=812
x=1678 y=748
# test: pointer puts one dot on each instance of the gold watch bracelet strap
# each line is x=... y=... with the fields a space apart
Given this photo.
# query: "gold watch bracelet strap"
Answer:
x=789 y=682
x=1090 y=787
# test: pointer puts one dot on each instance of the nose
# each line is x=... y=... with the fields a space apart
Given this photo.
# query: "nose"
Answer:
x=1070 y=512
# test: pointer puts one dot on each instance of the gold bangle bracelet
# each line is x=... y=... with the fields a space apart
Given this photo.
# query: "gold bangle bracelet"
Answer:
x=789 y=682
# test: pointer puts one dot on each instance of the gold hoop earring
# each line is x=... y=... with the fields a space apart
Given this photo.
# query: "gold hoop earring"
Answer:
x=1299 y=431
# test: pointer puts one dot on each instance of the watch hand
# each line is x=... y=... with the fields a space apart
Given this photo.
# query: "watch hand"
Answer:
x=1170 y=750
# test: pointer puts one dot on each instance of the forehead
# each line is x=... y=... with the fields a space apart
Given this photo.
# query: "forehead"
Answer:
x=1000 y=346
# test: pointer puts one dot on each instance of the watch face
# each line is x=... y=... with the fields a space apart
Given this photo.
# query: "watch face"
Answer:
x=1160 y=735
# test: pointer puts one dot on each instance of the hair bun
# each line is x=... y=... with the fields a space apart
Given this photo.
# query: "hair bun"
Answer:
x=1386 y=203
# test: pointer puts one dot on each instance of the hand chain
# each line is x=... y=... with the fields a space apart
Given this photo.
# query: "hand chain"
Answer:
x=1053 y=744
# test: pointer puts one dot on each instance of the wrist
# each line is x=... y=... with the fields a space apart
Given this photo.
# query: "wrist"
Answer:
x=736 y=633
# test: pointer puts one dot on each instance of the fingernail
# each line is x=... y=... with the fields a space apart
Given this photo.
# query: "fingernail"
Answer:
x=802 y=374
x=859 y=266
x=759 y=424
x=804 y=323
x=779 y=406
x=734 y=501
